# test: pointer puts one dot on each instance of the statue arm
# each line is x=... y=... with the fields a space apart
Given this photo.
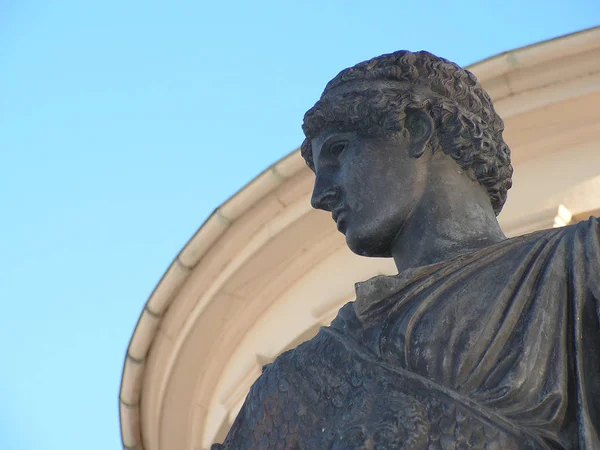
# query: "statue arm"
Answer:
x=269 y=418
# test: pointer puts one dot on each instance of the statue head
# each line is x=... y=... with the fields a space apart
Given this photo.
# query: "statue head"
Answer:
x=378 y=127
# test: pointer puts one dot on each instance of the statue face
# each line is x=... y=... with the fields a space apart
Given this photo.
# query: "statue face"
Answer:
x=370 y=185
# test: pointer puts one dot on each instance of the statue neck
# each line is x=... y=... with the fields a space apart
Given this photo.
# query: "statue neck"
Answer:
x=453 y=216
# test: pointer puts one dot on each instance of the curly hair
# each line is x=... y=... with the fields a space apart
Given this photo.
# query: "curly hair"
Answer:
x=375 y=96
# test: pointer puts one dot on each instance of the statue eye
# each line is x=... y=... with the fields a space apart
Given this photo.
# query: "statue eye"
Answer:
x=337 y=148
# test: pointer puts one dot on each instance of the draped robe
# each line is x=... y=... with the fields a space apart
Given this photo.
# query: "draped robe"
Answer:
x=494 y=349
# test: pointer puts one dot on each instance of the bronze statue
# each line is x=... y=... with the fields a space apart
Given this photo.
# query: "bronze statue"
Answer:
x=479 y=342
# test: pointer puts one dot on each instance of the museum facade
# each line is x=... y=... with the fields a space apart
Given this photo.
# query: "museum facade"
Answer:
x=265 y=271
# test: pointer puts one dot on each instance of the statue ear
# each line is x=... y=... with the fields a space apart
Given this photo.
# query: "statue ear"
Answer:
x=420 y=129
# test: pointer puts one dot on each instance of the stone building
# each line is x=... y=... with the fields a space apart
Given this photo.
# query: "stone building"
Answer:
x=265 y=271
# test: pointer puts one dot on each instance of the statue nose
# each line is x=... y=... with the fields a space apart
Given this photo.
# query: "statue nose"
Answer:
x=324 y=198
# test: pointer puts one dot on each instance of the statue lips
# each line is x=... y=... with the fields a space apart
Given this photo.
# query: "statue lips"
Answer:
x=338 y=215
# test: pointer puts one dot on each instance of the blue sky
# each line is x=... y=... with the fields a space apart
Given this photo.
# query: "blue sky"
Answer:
x=124 y=124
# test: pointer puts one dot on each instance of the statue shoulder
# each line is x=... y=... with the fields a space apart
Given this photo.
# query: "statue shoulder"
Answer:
x=299 y=360
x=272 y=412
x=345 y=322
x=586 y=232
x=287 y=404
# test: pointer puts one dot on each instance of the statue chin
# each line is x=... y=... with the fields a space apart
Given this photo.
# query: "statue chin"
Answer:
x=371 y=247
